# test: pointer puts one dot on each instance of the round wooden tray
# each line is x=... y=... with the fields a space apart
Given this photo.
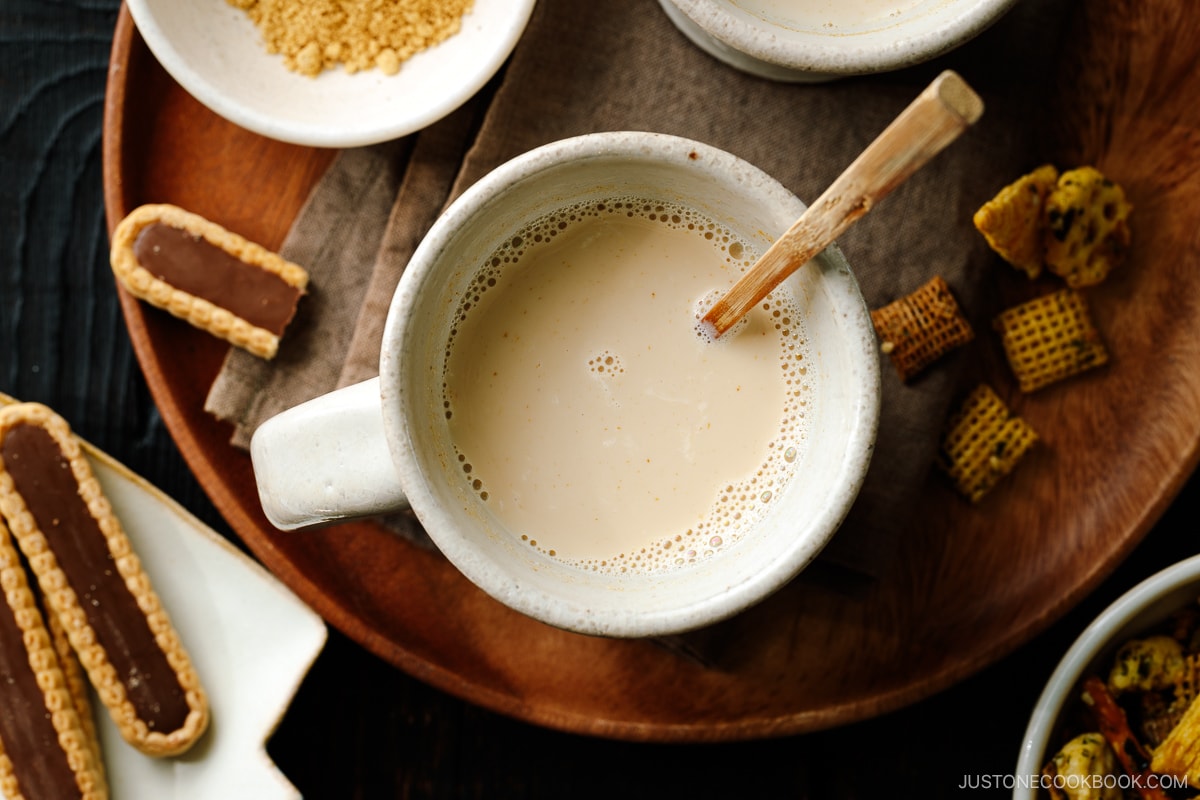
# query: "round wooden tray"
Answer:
x=969 y=583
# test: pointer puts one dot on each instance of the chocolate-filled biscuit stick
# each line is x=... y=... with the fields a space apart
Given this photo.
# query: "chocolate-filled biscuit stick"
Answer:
x=94 y=582
x=77 y=685
x=45 y=750
x=211 y=277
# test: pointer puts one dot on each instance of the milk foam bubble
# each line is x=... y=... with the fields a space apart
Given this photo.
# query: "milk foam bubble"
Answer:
x=584 y=475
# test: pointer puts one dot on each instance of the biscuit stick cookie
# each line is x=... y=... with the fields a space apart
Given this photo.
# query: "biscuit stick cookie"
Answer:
x=95 y=583
x=77 y=685
x=213 y=278
x=45 y=750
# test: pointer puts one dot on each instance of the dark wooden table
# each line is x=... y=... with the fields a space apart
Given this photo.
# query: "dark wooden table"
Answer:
x=360 y=728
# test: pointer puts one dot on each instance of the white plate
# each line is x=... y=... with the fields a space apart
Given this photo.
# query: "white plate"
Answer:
x=215 y=52
x=251 y=640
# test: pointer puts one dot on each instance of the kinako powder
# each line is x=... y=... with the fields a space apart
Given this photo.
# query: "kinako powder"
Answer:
x=316 y=35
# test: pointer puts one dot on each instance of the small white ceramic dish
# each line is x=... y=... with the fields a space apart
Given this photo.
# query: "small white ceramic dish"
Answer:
x=251 y=640
x=216 y=53
x=817 y=50
x=1136 y=611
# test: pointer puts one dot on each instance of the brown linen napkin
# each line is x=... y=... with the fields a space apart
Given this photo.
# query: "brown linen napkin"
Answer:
x=621 y=65
x=335 y=236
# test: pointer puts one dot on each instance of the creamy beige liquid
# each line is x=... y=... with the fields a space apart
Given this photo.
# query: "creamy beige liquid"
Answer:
x=829 y=14
x=585 y=408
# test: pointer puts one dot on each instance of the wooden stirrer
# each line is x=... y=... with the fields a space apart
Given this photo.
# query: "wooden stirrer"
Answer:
x=939 y=114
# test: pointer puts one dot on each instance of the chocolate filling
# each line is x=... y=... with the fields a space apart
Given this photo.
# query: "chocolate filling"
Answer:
x=189 y=263
x=43 y=478
x=28 y=735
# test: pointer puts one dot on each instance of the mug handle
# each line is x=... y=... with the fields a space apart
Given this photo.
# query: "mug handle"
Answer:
x=326 y=460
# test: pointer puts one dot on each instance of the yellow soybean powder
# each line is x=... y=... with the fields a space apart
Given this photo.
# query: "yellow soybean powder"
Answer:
x=316 y=35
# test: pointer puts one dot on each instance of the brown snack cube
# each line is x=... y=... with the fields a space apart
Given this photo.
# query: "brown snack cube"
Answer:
x=1050 y=338
x=1087 y=227
x=200 y=272
x=1013 y=223
x=919 y=328
x=1155 y=718
x=983 y=443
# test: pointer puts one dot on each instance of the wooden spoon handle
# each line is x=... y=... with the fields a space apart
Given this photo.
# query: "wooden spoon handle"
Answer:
x=946 y=108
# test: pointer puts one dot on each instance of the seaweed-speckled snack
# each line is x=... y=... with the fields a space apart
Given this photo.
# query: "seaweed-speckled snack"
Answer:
x=1087 y=227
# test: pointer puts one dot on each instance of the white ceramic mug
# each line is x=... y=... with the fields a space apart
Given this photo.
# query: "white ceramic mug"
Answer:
x=383 y=444
x=818 y=40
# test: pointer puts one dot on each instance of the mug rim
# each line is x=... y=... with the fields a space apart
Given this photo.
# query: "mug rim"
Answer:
x=414 y=477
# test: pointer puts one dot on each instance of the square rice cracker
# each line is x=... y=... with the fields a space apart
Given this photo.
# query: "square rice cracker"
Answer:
x=921 y=327
x=1050 y=338
x=983 y=443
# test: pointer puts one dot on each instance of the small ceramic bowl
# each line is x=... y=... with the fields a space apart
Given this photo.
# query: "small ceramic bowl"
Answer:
x=1131 y=615
x=217 y=54
x=818 y=40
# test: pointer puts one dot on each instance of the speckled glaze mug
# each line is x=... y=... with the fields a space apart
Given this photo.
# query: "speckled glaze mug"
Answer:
x=386 y=443
x=819 y=40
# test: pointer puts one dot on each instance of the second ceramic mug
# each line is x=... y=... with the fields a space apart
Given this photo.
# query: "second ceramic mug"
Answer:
x=819 y=40
x=381 y=445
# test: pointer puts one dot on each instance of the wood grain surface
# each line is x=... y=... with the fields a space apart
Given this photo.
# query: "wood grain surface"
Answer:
x=971 y=582
x=964 y=654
